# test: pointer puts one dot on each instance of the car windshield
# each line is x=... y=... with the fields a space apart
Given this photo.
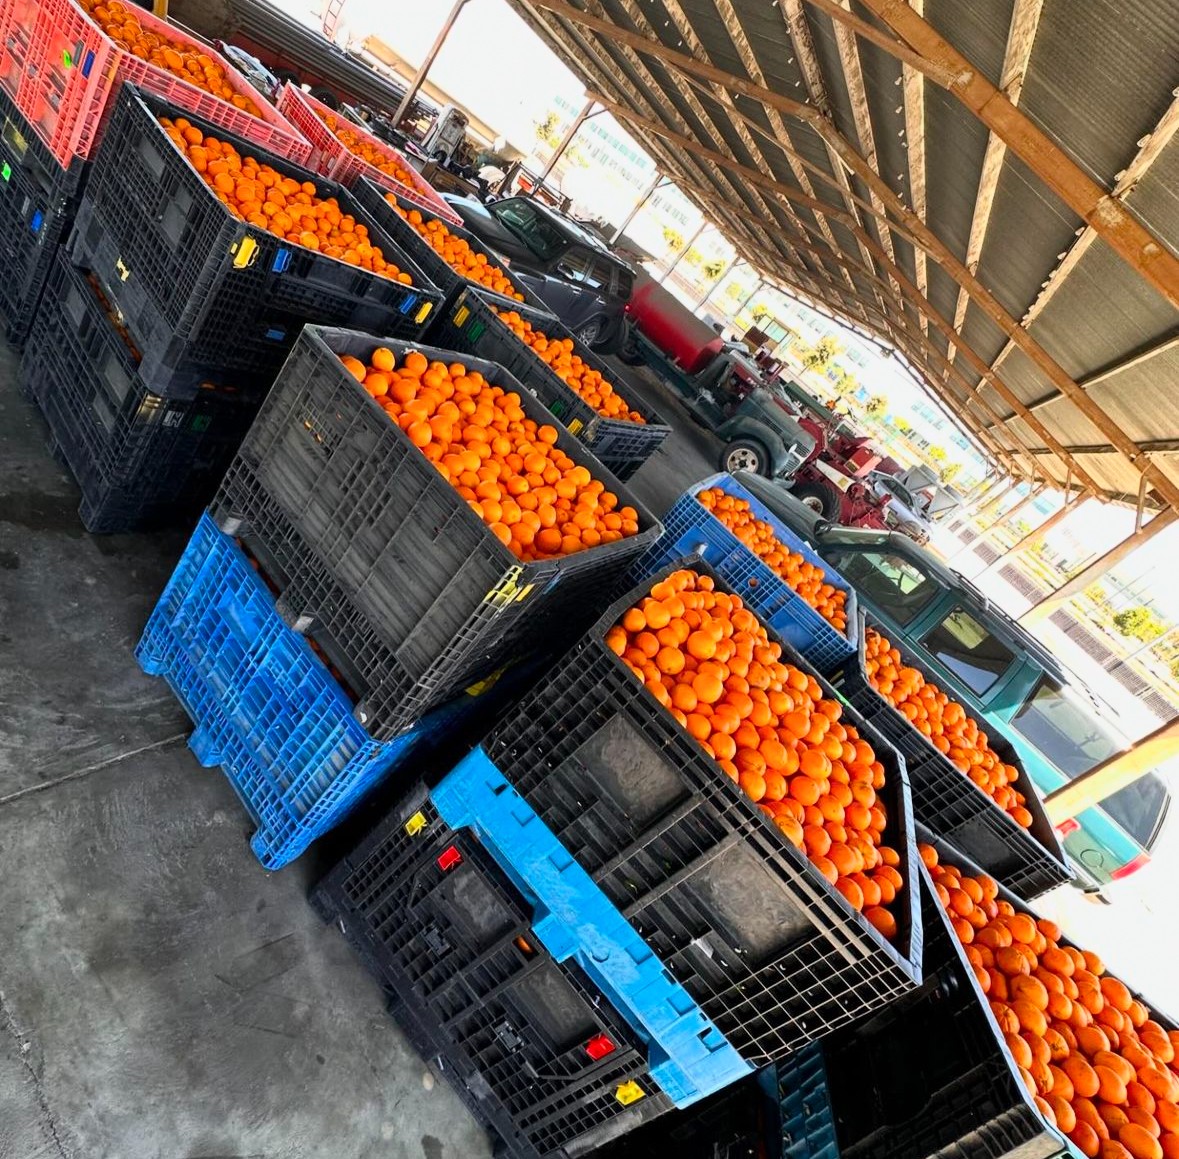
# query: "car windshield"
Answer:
x=530 y=226
x=896 y=586
x=968 y=649
x=1065 y=727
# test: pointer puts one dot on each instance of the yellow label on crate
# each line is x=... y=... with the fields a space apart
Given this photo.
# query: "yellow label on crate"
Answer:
x=415 y=824
x=481 y=686
x=629 y=1092
x=121 y=270
x=507 y=591
x=575 y=426
x=424 y=312
x=244 y=253
x=461 y=315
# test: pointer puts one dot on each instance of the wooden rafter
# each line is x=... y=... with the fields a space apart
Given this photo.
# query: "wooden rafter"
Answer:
x=914 y=90
x=1021 y=35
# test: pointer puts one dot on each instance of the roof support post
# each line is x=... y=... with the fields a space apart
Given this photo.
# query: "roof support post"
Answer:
x=1105 y=779
x=716 y=285
x=687 y=246
x=644 y=197
x=1099 y=567
x=995 y=498
x=424 y=68
x=1071 y=505
x=1011 y=512
x=563 y=144
x=750 y=296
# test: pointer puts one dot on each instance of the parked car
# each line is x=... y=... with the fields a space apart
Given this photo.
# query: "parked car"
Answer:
x=567 y=266
x=251 y=68
x=906 y=512
x=999 y=672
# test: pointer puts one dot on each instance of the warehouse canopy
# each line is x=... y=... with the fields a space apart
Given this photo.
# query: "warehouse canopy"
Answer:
x=989 y=187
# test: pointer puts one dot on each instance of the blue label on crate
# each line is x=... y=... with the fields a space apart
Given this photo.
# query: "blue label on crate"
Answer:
x=35 y=224
x=282 y=260
x=409 y=303
x=275 y=334
x=87 y=63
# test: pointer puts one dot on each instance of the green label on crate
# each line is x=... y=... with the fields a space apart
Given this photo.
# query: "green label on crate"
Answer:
x=201 y=423
x=66 y=58
x=476 y=331
x=5 y=171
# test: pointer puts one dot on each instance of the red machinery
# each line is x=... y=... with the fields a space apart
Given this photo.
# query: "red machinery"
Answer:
x=832 y=480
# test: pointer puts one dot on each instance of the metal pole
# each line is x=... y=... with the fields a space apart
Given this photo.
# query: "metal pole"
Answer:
x=644 y=197
x=160 y=8
x=1101 y=781
x=712 y=289
x=1040 y=532
x=563 y=144
x=1012 y=511
x=687 y=246
x=424 y=68
x=750 y=296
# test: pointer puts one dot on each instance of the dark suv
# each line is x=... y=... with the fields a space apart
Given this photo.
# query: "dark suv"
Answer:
x=569 y=268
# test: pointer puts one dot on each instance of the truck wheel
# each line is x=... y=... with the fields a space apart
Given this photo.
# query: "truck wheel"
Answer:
x=745 y=455
x=587 y=334
x=327 y=97
x=821 y=499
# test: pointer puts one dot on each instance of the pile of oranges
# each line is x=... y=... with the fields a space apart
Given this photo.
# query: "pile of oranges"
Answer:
x=120 y=23
x=457 y=253
x=809 y=581
x=946 y=723
x=533 y=496
x=708 y=660
x=293 y=210
x=1099 y=1068
x=375 y=156
x=586 y=382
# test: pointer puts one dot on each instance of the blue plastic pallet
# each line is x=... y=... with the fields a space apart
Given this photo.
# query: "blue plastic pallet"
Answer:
x=266 y=708
x=688 y=1056
x=689 y=527
x=799 y=1089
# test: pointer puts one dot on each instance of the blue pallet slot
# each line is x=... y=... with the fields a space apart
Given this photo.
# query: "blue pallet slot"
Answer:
x=266 y=708
x=688 y=1056
x=690 y=528
x=798 y=1087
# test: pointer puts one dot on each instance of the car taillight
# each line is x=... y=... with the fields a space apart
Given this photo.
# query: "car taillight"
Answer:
x=1067 y=826
x=1130 y=867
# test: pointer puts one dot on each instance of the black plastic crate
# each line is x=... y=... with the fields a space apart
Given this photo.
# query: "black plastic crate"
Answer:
x=931 y=1075
x=205 y=295
x=141 y=461
x=37 y=203
x=1029 y=861
x=774 y=956
x=469 y=323
x=518 y=1034
x=371 y=197
x=366 y=531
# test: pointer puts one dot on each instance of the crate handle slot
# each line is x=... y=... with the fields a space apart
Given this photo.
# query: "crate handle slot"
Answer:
x=687 y=1055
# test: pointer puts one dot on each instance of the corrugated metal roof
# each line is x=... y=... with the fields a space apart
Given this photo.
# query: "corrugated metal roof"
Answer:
x=737 y=98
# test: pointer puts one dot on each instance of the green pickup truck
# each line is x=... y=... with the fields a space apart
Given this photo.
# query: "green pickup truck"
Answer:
x=999 y=671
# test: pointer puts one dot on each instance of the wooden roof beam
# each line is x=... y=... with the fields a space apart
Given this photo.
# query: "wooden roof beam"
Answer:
x=1113 y=222
x=1021 y=35
x=914 y=101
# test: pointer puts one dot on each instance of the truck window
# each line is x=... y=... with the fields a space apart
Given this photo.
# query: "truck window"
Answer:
x=574 y=264
x=889 y=581
x=1063 y=726
x=597 y=275
x=537 y=233
x=969 y=650
x=625 y=283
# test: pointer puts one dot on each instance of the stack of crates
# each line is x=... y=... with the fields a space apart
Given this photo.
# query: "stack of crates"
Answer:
x=334 y=159
x=343 y=605
x=166 y=319
x=59 y=76
x=693 y=942
x=470 y=322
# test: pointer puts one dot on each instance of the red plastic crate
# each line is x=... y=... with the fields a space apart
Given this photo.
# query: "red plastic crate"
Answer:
x=73 y=71
x=334 y=159
x=17 y=18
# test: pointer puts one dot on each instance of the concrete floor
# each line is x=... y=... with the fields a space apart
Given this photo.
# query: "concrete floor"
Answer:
x=161 y=996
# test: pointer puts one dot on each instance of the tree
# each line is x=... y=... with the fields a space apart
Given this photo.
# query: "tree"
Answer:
x=937 y=454
x=759 y=312
x=713 y=269
x=693 y=257
x=1139 y=623
x=1175 y=668
x=819 y=357
x=1096 y=593
x=674 y=239
x=845 y=383
x=546 y=129
x=902 y=425
x=876 y=405
x=735 y=290
x=949 y=473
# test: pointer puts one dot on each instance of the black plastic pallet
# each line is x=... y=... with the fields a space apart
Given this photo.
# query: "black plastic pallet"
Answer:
x=206 y=296
x=38 y=199
x=774 y=956
x=372 y=198
x=1028 y=861
x=141 y=461
x=469 y=323
x=932 y=1075
x=367 y=532
x=522 y=1037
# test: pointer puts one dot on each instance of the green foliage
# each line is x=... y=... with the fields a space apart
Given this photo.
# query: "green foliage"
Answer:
x=1175 y=668
x=546 y=129
x=937 y=454
x=713 y=269
x=1096 y=593
x=819 y=357
x=1139 y=623
x=902 y=425
x=876 y=405
x=693 y=257
x=845 y=383
x=674 y=239
x=759 y=311
x=949 y=472
x=735 y=290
